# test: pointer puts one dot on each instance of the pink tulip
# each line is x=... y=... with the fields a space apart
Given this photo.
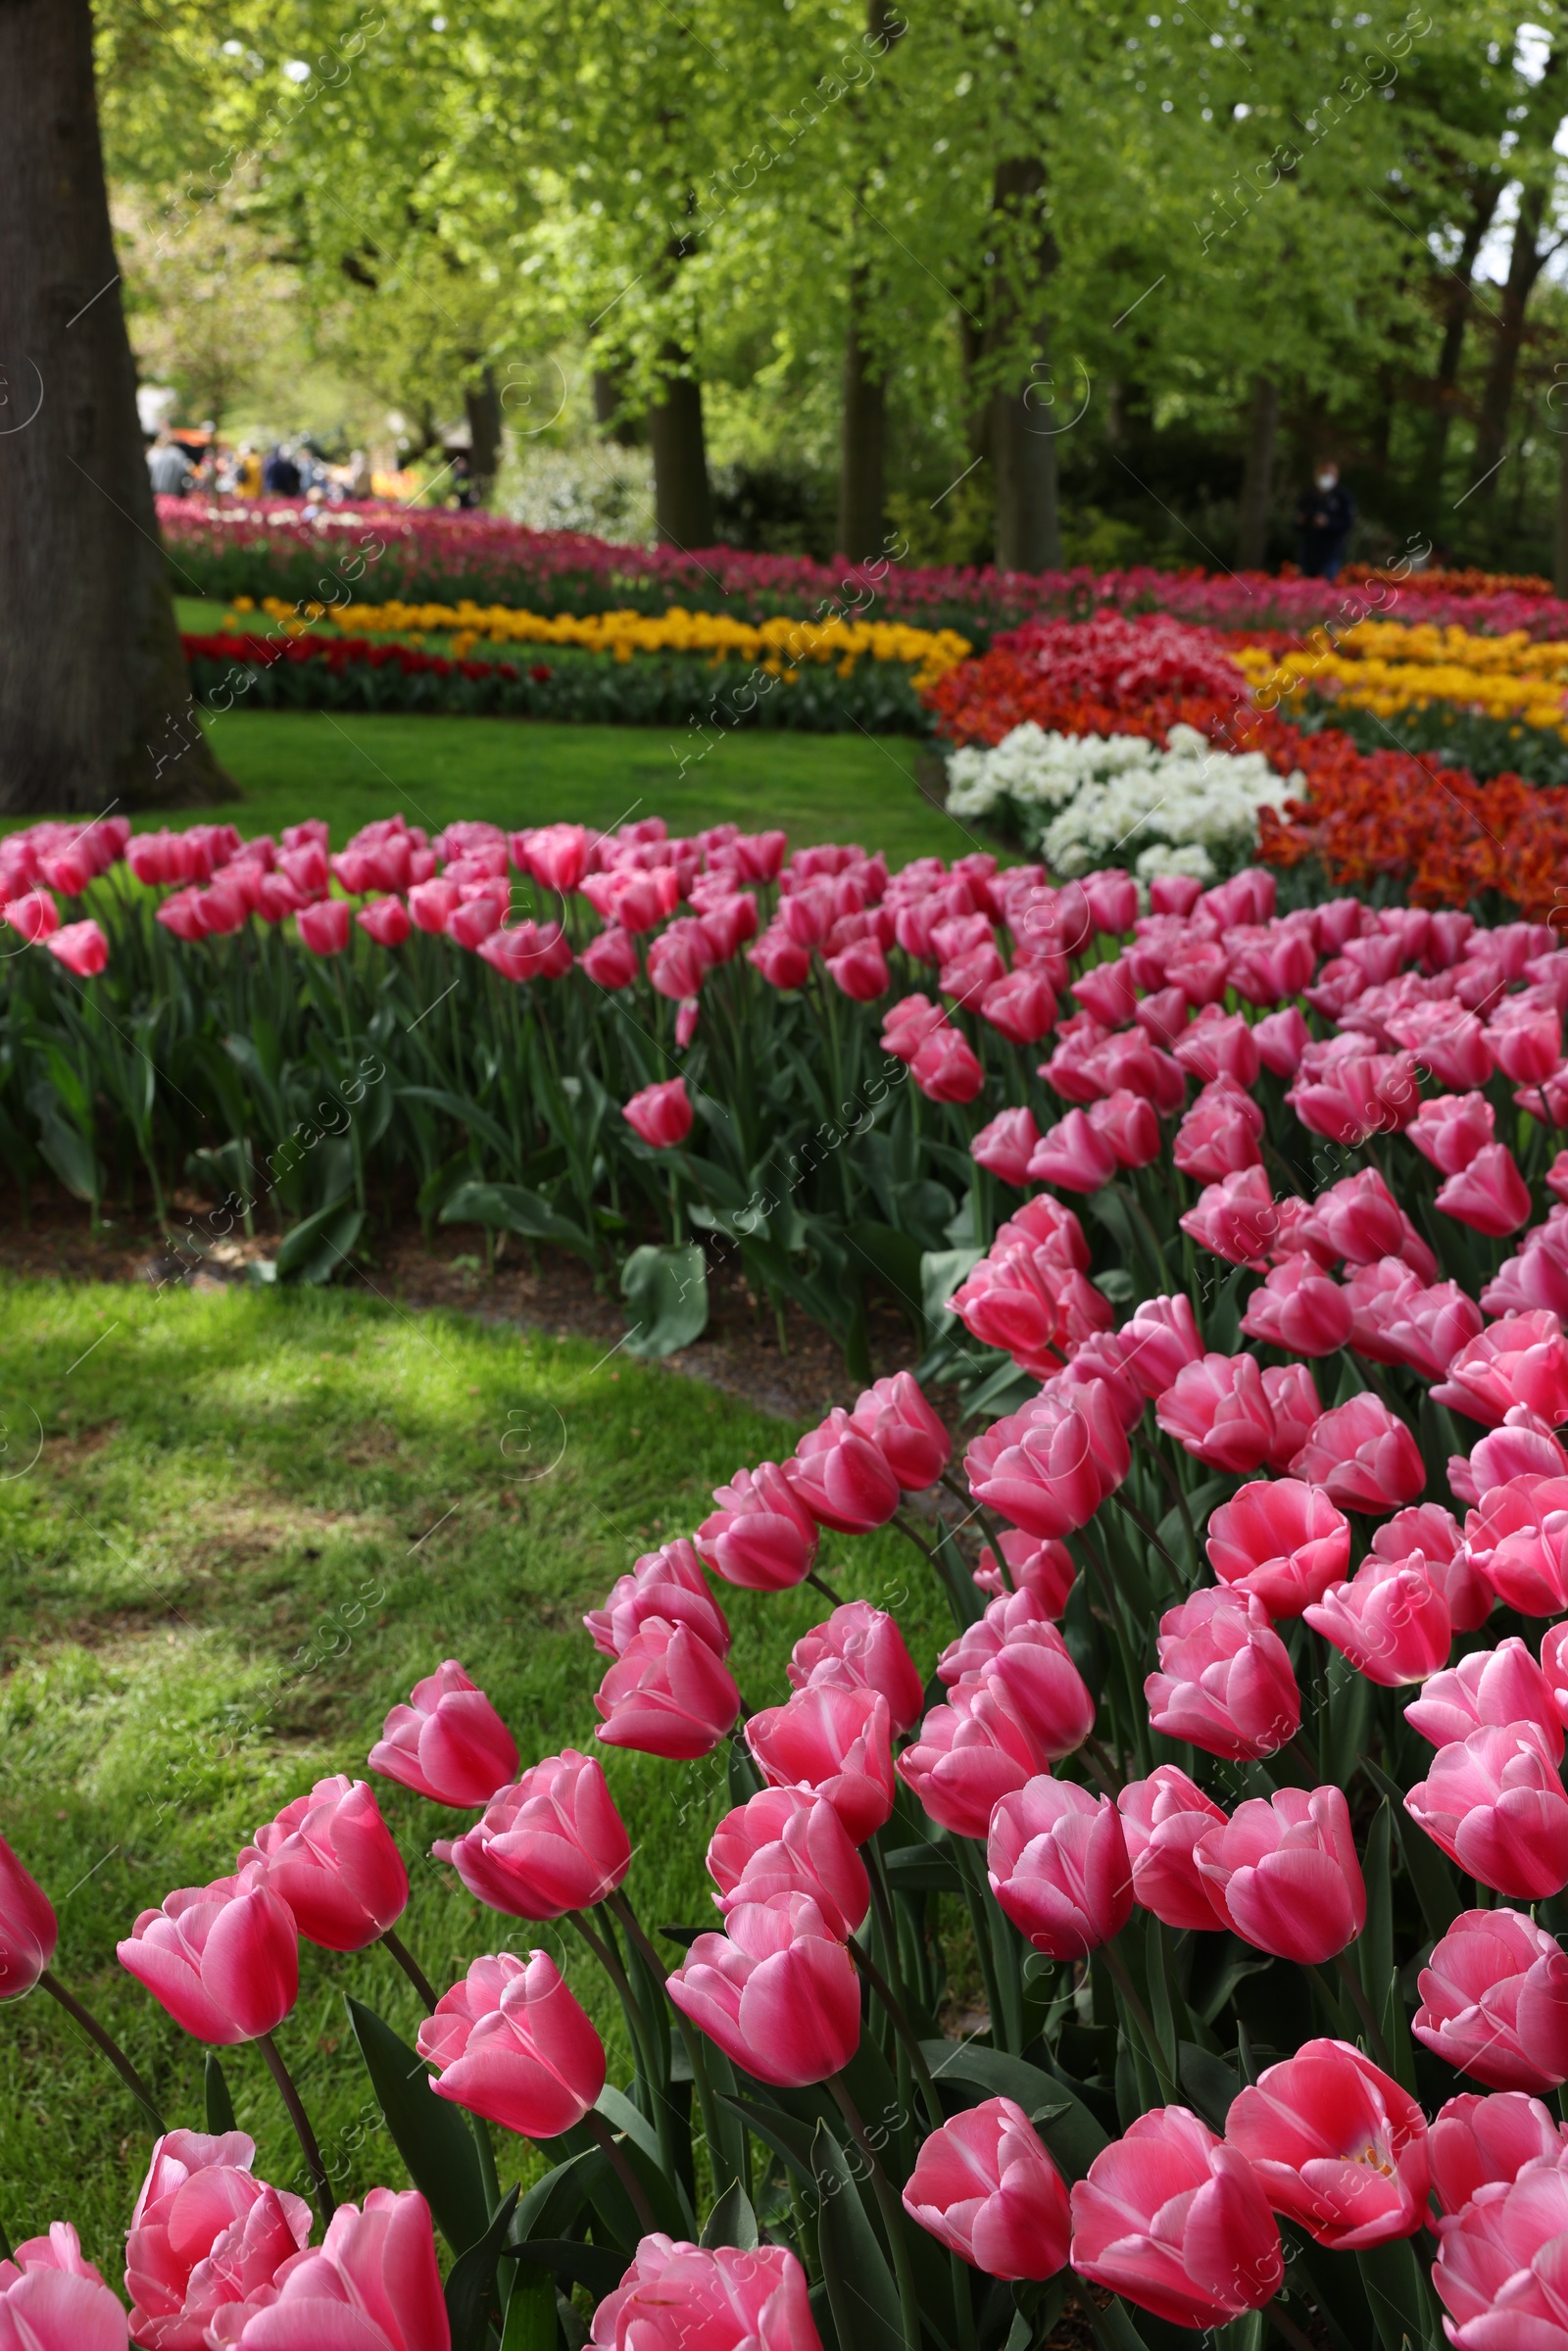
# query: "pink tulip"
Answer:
x=1025 y=1301
x=1281 y=1039
x=1336 y=2145
x=661 y=1114
x=1359 y=1219
x=523 y=951
x=1283 y=1874
x=780 y=961
x=1499 y=2261
x=372 y=2284
x=1127 y=1121
x=1390 y=1620
x=861 y=970
x=1496 y=1687
x=970 y=1752
x=1164 y=1820
x=552 y=1843
x=52 y=2300
x=1362 y=1456
x=1057 y=1863
x=978 y=1643
x=843 y=1478
x=860 y=1648
x=222 y=1959
x=1050 y=1466
x=1074 y=1155
x=667 y=1583
x=1555 y=1668
x=331 y=1857
x=447 y=1743
x=1022 y=1006
x=556 y=855
x=1496 y=1805
x=984 y=2187
x=1048 y=1693
x=1216 y=1410
x=205 y=2235
x=1426 y=1328
x=1299 y=1308
x=1450 y=1129
x=386 y=919
x=1006 y=1146
x=1174 y=2219
x=1225 y=1682
x=1517 y=1540
x=28 y=1928
x=509 y=2042
x=836 y=1740
x=761 y=1537
x=1476 y=2141
x=897 y=1419
x=1290 y=1393
x=681 y=2297
x=778 y=1992
x=1494 y=2001
x=1433 y=1532
x=1045 y=1570
x=667 y=1694
x=324 y=927
x=1048 y=1223
x=1355 y=1096
x=679 y=960
x=1281 y=1540
x=81 y=947
x=433 y=903
x=1490 y=1195
x=1523 y=1359
x=789 y=1840
x=1218 y=1136
x=945 y=1068
x=1217 y=1046
x=610 y=959
x=1159 y=1342
x=1536 y=1274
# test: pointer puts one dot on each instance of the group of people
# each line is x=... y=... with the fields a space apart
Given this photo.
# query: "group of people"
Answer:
x=288 y=470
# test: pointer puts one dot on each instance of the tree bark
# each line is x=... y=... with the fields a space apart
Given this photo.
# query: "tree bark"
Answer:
x=95 y=704
x=1559 y=551
x=1525 y=263
x=609 y=409
x=1023 y=437
x=863 y=450
x=1024 y=454
x=1445 y=382
x=1258 y=475
x=482 y=402
x=684 y=506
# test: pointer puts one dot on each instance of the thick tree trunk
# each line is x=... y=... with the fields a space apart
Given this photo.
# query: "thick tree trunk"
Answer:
x=1023 y=450
x=1559 y=551
x=1445 y=382
x=863 y=452
x=1023 y=429
x=684 y=506
x=1525 y=264
x=482 y=402
x=609 y=409
x=1257 y=474
x=95 y=708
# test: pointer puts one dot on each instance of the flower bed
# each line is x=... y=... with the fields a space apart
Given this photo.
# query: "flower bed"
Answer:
x=1235 y=1804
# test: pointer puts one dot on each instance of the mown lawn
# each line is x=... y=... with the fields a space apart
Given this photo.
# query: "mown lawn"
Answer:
x=231 y=1535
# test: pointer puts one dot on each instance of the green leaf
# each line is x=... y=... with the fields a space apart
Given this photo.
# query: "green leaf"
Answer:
x=531 y=2324
x=732 y=2221
x=600 y=2268
x=1427 y=1865
x=1208 y=2081
x=1394 y=2289
x=516 y=1210
x=861 y=2291
x=471 y=2289
x=923 y=1869
x=790 y=2141
x=1065 y=2124
x=431 y=2134
x=316 y=1247
x=216 y=2096
x=941 y=1272
x=553 y=2202
x=667 y=1290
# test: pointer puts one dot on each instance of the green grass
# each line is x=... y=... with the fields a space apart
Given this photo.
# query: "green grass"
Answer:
x=252 y=1522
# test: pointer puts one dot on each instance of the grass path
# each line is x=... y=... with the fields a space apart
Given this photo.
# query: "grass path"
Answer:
x=233 y=1530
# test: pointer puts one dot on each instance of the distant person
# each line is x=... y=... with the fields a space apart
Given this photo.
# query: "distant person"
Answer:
x=247 y=472
x=280 y=477
x=1323 y=521
x=462 y=483
x=168 y=467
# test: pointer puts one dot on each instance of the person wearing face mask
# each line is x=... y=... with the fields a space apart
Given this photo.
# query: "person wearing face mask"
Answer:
x=1323 y=522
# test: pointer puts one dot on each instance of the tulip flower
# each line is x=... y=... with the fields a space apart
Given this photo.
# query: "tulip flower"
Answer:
x=1477 y=2141
x=1021 y=1006
x=1390 y=1620
x=331 y=1857
x=1523 y=1359
x=1290 y=1393
x=1007 y=1145
x=1074 y=1155
x=1494 y=2001
x=1362 y=1456
x=511 y=2044
x=53 y=2300
x=970 y=1752
x=386 y=919
x=610 y=959
x=1426 y=1328
x=667 y=1583
x=1048 y=1693
x=372 y=2283
x=1490 y=1195
x=1158 y=1341
x=447 y=1743
x=1216 y=1410
x=1217 y=1046
x=761 y=1537
x=551 y=1844
x=1048 y=1467
x=28 y=1928
x=1281 y=1039
x=1058 y=1864
x=1235 y=1218
x=789 y=1840
x=1044 y=1222
x=897 y=1419
x=324 y=927
x=1282 y=1541
x=1164 y=1818
x=1497 y=1806
x=1225 y=1682
x=1358 y=1218
x=222 y=1959
x=1536 y=1274
x=860 y=1648
x=205 y=2235
x=984 y=2187
x=1500 y=1686
x=1299 y=1308
x=1128 y=1122
x=81 y=947
x=1498 y=2261
x=667 y=1694
x=979 y=1642
x=1045 y=1570
x=683 y=2297
x=661 y=1114
x=1434 y=1532
x=1450 y=1129
x=945 y=1068
x=843 y=1479
x=1283 y=1874
x=1336 y=2145
x=778 y=1992
x=1517 y=1540
x=838 y=1741
x=1175 y=2220
x=1025 y=1301
x=1218 y=1136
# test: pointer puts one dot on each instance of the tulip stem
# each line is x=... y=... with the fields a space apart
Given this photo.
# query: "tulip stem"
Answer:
x=892 y=2211
x=924 y=1548
x=690 y=2039
x=109 y=2046
x=1104 y=1766
x=818 y=1583
x=1145 y=2023
x=399 y=1950
x=903 y=2028
x=1286 y=2326
x=1376 y=2045
x=301 y=2120
x=628 y=2178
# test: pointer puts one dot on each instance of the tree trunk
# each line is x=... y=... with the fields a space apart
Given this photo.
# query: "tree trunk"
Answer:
x=684 y=506
x=1525 y=263
x=1258 y=475
x=1024 y=454
x=1445 y=382
x=482 y=402
x=863 y=453
x=96 y=704
x=609 y=409
x=1023 y=439
x=1559 y=551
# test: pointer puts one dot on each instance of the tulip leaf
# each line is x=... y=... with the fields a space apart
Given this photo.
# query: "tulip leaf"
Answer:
x=218 y=2103
x=861 y=2291
x=666 y=1292
x=431 y=2134
x=1426 y=1863
x=516 y=1210
x=600 y=2268
x=790 y=2141
x=923 y=1868
x=1394 y=2289
x=1070 y=2132
x=531 y=2322
x=553 y=2202
x=471 y=2289
x=731 y=2221
x=1208 y=2081
x=313 y=1250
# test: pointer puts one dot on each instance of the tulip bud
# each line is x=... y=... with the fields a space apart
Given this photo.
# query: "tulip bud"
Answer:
x=1175 y=2220
x=1225 y=1682
x=511 y=2044
x=28 y=1929
x=1283 y=1874
x=1494 y=2001
x=777 y=1993
x=1497 y=1806
x=447 y=1743
x=984 y=2187
x=1059 y=1866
